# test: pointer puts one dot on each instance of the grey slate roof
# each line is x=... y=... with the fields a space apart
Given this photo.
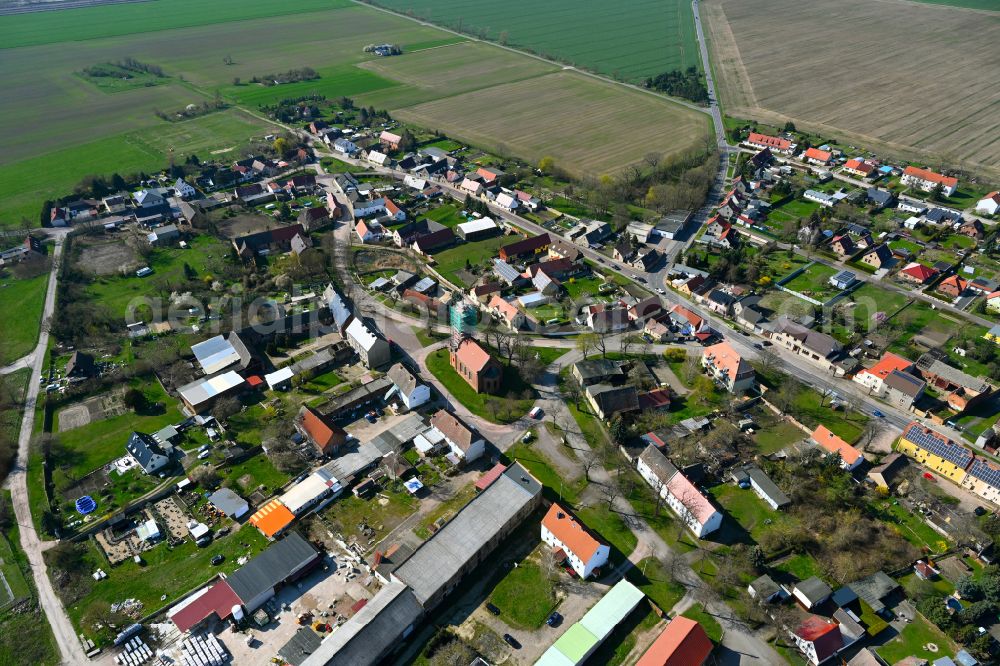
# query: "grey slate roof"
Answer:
x=402 y=378
x=905 y=383
x=874 y=588
x=814 y=589
x=439 y=559
x=766 y=485
x=765 y=587
x=661 y=466
x=338 y=307
x=228 y=502
x=143 y=448
x=303 y=643
x=598 y=368
x=274 y=564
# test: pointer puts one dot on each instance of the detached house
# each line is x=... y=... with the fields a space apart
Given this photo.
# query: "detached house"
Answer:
x=465 y=444
x=818 y=639
x=989 y=205
x=324 y=435
x=850 y=457
x=409 y=389
x=877 y=257
x=475 y=365
x=728 y=368
x=953 y=286
x=917 y=273
x=147 y=452
x=873 y=378
x=859 y=168
x=389 y=140
x=817 y=156
x=570 y=539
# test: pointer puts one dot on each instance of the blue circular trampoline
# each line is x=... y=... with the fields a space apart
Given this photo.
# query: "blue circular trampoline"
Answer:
x=85 y=505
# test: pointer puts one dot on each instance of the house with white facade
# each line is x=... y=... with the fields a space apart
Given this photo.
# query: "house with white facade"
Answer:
x=684 y=499
x=465 y=444
x=926 y=180
x=409 y=389
x=569 y=537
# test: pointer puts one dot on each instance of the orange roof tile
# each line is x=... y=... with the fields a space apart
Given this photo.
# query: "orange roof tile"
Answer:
x=932 y=176
x=570 y=532
x=272 y=518
x=683 y=643
x=769 y=141
x=817 y=154
x=887 y=364
x=835 y=444
x=724 y=357
x=698 y=505
x=472 y=355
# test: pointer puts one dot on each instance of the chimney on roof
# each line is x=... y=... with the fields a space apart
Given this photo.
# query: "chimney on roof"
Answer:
x=378 y=558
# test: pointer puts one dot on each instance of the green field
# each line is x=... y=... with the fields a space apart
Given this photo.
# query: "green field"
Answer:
x=629 y=40
x=21 y=304
x=525 y=596
x=70 y=25
x=814 y=282
x=912 y=641
x=480 y=93
x=449 y=262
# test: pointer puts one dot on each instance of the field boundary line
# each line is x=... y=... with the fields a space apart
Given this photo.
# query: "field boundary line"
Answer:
x=585 y=72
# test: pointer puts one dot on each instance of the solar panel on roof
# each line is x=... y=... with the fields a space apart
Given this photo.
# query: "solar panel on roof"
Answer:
x=943 y=448
x=986 y=472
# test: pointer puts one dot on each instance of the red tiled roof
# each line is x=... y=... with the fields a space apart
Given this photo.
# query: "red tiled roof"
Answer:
x=886 y=365
x=254 y=380
x=825 y=636
x=655 y=399
x=692 y=318
x=490 y=476
x=526 y=246
x=572 y=534
x=683 y=643
x=931 y=176
x=724 y=357
x=472 y=355
x=218 y=599
x=858 y=164
x=960 y=284
x=919 y=271
x=835 y=444
x=317 y=428
x=699 y=506
x=769 y=141
x=391 y=206
x=817 y=154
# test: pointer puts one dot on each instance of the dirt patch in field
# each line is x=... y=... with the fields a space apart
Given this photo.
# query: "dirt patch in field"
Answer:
x=241 y=225
x=108 y=257
x=90 y=410
x=881 y=73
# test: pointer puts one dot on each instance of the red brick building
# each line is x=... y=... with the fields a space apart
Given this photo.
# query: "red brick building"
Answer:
x=475 y=365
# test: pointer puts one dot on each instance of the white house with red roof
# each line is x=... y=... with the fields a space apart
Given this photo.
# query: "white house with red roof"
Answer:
x=989 y=205
x=394 y=211
x=697 y=511
x=568 y=536
x=859 y=168
x=993 y=301
x=873 y=378
x=818 y=639
x=368 y=232
x=850 y=457
x=776 y=144
x=473 y=187
x=926 y=180
x=686 y=320
x=727 y=367
x=817 y=156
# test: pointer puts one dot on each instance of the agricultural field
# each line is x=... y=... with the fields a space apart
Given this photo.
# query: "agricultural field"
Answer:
x=867 y=46
x=73 y=128
x=627 y=40
x=568 y=116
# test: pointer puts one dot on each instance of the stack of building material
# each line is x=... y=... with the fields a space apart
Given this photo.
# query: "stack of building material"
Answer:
x=203 y=650
x=134 y=652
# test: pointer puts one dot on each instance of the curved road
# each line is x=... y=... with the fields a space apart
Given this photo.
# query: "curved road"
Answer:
x=70 y=648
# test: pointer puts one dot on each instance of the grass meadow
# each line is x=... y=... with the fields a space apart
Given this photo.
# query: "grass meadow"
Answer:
x=21 y=304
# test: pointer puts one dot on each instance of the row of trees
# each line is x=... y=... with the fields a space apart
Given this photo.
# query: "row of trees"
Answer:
x=291 y=76
x=113 y=70
x=689 y=84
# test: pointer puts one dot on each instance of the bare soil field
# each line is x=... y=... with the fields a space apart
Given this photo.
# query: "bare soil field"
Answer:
x=910 y=79
x=107 y=258
x=590 y=127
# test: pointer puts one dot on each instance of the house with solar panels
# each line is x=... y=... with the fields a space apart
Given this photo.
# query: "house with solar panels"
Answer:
x=983 y=478
x=935 y=451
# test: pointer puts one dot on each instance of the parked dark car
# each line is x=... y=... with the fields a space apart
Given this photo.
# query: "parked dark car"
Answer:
x=554 y=620
x=493 y=609
x=511 y=641
x=218 y=559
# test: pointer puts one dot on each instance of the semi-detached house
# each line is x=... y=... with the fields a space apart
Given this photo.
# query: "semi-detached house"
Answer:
x=935 y=451
x=683 y=498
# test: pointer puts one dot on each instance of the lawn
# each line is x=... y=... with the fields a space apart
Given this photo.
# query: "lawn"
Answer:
x=744 y=506
x=911 y=641
x=654 y=581
x=560 y=488
x=88 y=447
x=814 y=282
x=911 y=527
x=246 y=476
x=170 y=572
x=15 y=385
x=812 y=409
x=508 y=406
x=610 y=525
x=208 y=256
x=450 y=215
x=699 y=614
x=526 y=595
x=776 y=436
x=801 y=566
x=25 y=637
x=21 y=304
x=452 y=260
x=348 y=512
